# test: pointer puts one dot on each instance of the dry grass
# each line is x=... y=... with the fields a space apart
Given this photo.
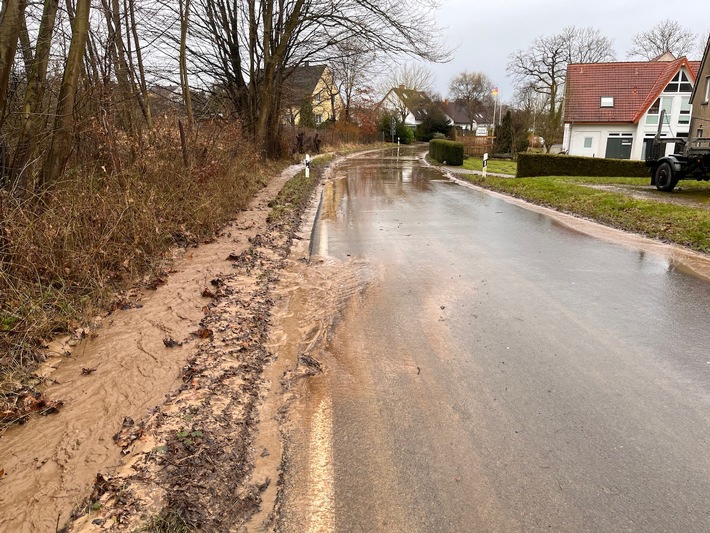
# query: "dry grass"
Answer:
x=65 y=257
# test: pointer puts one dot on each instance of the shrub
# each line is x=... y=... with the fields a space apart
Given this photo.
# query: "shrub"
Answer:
x=532 y=165
x=403 y=132
x=449 y=151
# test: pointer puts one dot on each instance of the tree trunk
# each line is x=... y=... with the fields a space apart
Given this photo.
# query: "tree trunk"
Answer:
x=10 y=26
x=184 y=81
x=118 y=55
x=34 y=93
x=144 y=99
x=64 y=121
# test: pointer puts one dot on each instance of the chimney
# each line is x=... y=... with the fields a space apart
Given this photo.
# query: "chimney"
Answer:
x=401 y=86
x=306 y=63
x=446 y=101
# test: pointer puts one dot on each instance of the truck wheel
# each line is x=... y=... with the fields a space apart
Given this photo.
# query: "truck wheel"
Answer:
x=664 y=177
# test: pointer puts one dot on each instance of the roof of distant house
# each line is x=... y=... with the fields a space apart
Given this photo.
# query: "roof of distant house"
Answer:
x=457 y=112
x=634 y=86
x=300 y=82
x=415 y=101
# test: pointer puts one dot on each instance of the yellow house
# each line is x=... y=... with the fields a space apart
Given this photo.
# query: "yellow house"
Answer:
x=314 y=84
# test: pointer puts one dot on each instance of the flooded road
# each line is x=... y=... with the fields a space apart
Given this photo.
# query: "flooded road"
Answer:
x=495 y=369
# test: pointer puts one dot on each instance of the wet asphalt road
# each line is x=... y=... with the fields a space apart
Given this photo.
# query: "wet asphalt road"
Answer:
x=500 y=371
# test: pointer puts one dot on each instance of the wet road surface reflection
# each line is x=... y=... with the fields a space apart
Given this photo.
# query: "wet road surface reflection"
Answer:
x=502 y=371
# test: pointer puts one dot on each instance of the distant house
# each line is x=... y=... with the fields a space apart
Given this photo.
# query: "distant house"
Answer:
x=409 y=104
x=456 y=111
x=312 y=83
x=700 y=101
x=612 y=109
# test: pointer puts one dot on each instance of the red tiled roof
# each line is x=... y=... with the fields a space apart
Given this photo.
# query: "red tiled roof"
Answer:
x=634 y=85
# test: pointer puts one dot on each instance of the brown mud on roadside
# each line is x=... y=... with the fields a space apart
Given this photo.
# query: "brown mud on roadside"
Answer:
x=127 y=366
x=196 y=441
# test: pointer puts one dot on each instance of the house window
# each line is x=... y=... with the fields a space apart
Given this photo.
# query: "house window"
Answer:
x=663 y=103
x=680 y=84
x=319 y=119
x=587 y=142
x=707 y=89
x=606 y=101
x=684 y=117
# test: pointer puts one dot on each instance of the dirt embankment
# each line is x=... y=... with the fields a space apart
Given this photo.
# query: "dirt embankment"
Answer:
x=191 y=355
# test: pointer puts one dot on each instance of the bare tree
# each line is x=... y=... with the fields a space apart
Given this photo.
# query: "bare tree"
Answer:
x=256 y=44
x=352 y=66
x=11 y=23
x=32 y=118
x=411 y=75
x=64 y=121
x=184 y=80
x=542 y=67
x=472 y=91
x=666 y=36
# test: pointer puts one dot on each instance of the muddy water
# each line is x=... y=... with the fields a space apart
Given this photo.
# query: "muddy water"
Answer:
x=501 y=369
x=51 y=463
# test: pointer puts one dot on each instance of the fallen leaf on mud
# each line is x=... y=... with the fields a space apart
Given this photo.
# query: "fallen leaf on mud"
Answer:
x=203 y=333
x=208 y=293
x=2 y=472
x=313 y=366
x=171 y=343
x=86 y=371
x=50 y=407
x=129 y=433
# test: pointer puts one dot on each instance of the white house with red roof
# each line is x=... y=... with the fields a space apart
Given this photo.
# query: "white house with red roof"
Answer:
x=613 y=109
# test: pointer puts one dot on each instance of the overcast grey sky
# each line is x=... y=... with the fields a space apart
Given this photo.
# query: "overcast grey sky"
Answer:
x=487 y=32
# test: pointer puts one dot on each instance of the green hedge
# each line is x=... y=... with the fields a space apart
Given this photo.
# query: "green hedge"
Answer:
x=449 y=151
x=531 y=165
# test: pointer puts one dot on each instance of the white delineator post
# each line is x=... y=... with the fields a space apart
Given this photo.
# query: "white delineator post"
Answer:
x=308 y=165
x=485 y=164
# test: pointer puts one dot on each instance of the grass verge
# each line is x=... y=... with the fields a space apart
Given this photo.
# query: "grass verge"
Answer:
x=499 y=166
x=685 y=225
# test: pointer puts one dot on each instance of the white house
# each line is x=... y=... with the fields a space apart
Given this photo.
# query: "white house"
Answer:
x=409 y=104
x=612 y=109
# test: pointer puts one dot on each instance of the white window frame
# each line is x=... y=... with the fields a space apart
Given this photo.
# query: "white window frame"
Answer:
x=606 y=101
x=652 y=118
x=707 y=89
x=684 y=114
x=589 y=141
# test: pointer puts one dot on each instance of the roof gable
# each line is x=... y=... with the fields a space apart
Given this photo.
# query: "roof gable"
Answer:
x=634 y=85
x=300 y=82
x=414 y=101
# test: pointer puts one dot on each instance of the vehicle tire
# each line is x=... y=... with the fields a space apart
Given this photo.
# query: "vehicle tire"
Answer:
x=665 y=180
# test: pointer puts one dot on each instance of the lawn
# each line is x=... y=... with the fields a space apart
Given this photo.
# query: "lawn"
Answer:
x=498 y=166
x=678 y=222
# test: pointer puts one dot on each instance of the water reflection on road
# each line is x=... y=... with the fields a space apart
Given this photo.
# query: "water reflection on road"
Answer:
x=503 y=371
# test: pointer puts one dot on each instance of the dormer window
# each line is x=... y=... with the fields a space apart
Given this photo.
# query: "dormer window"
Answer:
x=680 y=84
x=606 y=101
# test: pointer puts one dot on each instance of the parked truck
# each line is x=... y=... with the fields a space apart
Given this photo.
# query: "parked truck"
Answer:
x=692 y=163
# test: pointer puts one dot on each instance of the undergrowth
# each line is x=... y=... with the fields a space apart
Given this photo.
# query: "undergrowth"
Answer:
x=64 y=257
